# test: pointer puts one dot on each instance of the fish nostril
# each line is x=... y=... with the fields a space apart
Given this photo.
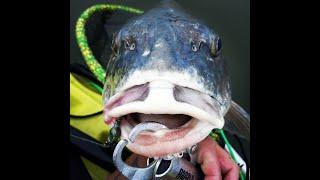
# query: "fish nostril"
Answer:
x=177 y=90
x=144 y=95
x=135 y=93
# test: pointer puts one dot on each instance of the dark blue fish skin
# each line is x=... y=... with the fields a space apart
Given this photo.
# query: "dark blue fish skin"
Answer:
x=168 y=39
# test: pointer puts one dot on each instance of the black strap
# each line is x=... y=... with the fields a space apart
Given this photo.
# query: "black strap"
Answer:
x=77 y=170
x=86 y=116
x=91 y=149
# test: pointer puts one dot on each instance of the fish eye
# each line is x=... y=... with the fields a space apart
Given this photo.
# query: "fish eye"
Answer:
x=129 y=45
x=195 y=46
x=216 y=46
x=132 y=46
x=115 y=44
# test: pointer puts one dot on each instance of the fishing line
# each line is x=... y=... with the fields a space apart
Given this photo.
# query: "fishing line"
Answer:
x=94 y=66
x=97 y=87
x=225 y=139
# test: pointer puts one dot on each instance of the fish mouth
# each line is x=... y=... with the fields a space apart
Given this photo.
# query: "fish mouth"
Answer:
x=189 y=115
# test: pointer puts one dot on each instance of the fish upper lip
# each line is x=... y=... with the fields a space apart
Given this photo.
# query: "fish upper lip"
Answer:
x=160 y=100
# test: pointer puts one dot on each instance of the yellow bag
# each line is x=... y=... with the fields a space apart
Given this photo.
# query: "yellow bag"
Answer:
x=86 y=100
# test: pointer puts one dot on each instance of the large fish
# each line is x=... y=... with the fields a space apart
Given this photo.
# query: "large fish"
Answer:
x=166 y=67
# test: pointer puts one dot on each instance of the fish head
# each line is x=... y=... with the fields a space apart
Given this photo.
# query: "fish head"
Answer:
x=166 y=67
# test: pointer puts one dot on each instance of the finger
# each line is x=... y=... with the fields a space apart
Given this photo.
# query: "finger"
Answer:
x=229 y=168
x=137 y=161
x=134 y=160
x=211 y=178
x=208 y=159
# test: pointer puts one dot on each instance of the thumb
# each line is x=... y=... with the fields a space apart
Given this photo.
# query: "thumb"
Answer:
x=208 y=159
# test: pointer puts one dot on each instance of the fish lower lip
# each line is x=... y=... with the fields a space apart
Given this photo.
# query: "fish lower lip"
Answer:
x=171 y=121
x=167 y=141
x=177 y=132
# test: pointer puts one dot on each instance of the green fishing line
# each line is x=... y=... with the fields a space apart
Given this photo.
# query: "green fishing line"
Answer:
x=97 y=87
x=225 y=139
x=94 y=66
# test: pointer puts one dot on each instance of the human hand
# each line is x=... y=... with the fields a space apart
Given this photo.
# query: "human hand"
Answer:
x=215 y=162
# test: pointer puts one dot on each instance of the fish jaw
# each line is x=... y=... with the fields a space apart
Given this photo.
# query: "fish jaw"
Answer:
x=165 y=102
x=165 y=142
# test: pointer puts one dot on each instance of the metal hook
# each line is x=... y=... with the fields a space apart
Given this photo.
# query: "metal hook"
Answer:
x=129 y=171
x=145 y=126
x=135 y=172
